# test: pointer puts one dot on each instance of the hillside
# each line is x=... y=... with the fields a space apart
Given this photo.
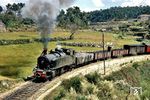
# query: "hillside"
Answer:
x=118 y=13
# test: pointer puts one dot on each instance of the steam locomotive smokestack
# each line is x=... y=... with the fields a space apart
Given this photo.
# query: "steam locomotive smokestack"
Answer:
x=44 y=51
x=44 y=13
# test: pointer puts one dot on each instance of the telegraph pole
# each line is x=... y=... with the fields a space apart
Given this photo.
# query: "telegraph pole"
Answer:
x=103 y=41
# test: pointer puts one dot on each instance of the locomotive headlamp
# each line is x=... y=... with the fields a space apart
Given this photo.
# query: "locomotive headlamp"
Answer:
x=44 y=72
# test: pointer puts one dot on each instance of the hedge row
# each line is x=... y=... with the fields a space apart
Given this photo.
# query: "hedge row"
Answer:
x=18 y=41
x=26 y=41
x=82 y=44
x=54 y=39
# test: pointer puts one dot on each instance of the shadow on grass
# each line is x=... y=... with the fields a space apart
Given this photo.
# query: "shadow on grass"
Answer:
x=16 y=70
x=10 y=71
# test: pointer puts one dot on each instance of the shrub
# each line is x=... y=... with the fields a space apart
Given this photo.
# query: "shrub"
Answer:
x=131 y=61
x=10 y=71
x=105 y=91
x=18 y=41
x=93 y=78
x=74 y=82
x=145 y=95
x=135 y=65
x=122 y=85
x=60 y=95
x=66 y=84
x=90 y=89
x=81 y=98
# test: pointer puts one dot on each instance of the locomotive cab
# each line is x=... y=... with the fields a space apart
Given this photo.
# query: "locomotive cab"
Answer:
x=64 y=50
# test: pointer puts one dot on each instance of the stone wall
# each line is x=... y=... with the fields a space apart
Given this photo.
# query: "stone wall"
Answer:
x=2 y=27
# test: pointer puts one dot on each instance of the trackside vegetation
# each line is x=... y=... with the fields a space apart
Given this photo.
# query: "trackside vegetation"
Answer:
x=113 y=87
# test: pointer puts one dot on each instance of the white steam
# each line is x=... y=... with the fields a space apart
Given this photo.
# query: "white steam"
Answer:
x=44 y=13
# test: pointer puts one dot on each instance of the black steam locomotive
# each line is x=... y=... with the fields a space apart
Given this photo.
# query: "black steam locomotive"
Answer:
x=62 y=60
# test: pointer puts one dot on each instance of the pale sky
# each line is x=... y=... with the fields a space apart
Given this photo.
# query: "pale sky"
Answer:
x=90 y=5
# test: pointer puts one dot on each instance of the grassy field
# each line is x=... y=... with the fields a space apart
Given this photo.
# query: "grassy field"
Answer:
x=17 y=61
x=28 y=35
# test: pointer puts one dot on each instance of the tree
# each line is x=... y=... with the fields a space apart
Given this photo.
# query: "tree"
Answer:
x=21 y=5
x=1 y=9
x=8 y=6
x=73 y=29
x=117 y=13
x=73 y=19
x=61 y=19
x=27 y=21
x=16 y=8
x=12 y=17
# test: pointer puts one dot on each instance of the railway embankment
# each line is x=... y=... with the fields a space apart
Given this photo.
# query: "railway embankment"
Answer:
x=129 y=83
x=112 y=65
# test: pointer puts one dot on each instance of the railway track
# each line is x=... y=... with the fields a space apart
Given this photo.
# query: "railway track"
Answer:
x=37 y=91
x=25 y=92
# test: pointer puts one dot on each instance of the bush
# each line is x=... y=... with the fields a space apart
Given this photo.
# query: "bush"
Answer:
x=53 y=39
x=66 y=84
x=135 y=65
x=93 y=78
x=90 y=89
x=74 y=82
x=81 y=98
x=145 y=95
x=105 y=91
x=18 y=41
x=122 y=85
x=60 y=95
x=10 y=71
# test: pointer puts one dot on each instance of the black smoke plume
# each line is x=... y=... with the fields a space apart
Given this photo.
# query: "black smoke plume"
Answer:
x=44 y=13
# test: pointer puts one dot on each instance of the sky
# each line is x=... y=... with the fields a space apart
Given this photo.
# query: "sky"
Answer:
x=90 y=5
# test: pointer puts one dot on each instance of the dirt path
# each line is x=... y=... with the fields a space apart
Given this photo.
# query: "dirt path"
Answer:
x=111 y=65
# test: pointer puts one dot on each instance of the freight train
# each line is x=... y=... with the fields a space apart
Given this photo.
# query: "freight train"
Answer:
x=61 y=60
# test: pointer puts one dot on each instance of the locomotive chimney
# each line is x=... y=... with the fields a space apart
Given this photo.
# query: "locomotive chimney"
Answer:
x=109 y=48
x=44 y=51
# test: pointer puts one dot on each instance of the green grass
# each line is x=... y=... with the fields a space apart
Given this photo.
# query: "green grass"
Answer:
x=18 y=35
x=96 y=37
x=17 y=61
x=29 y=35
x=80 y=36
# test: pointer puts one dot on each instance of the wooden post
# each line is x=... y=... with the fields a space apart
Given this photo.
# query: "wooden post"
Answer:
x=103 y=41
